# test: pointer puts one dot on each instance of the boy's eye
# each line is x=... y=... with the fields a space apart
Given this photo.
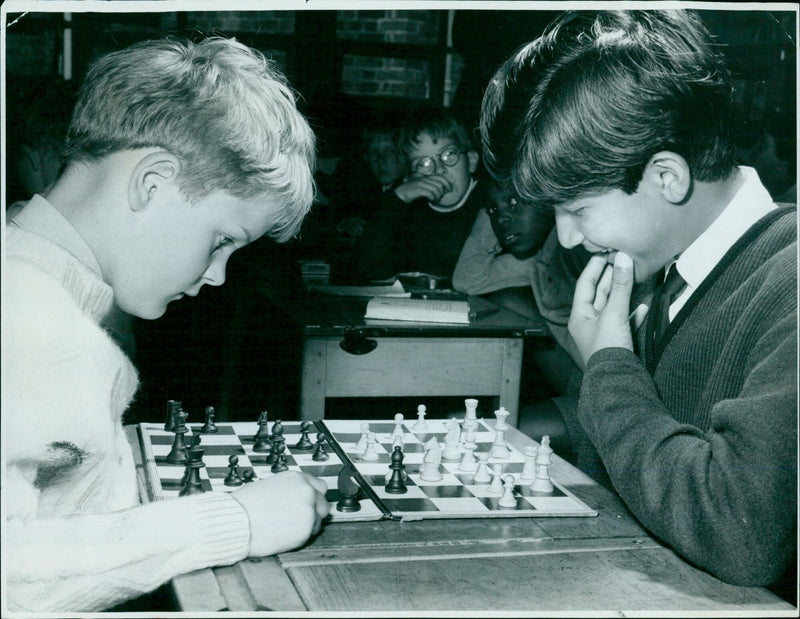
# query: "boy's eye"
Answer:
x=224 y=242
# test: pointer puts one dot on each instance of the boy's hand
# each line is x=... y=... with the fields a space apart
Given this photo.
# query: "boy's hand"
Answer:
x=284 y=511
x=601 y=304
x=430 y=187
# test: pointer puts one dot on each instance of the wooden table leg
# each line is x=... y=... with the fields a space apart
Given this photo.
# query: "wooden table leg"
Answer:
x=511 y=374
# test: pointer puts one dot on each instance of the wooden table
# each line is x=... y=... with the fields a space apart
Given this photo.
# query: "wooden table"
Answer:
x=606 y=564
x=409 y=358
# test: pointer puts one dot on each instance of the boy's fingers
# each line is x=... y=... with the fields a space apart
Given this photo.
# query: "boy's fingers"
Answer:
x=586 y=285
x=603 y=289
x=619 y=298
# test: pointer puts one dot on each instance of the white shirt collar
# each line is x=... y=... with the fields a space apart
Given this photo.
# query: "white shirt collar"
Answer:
x=750 y=204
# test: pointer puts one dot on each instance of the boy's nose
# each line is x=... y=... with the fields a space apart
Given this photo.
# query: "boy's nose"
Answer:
x=215 y=273
x=568 y=234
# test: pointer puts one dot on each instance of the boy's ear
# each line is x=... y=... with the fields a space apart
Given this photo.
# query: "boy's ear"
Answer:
x=154 y=173
x=669 y=174
x=474 y=158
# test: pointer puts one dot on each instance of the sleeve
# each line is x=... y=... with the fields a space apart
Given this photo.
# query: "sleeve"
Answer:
x=379 y=249
x=91 y=562
x=725 y=499
x=482 y=268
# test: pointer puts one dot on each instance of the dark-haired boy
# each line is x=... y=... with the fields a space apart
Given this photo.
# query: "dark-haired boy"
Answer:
x=620 y=122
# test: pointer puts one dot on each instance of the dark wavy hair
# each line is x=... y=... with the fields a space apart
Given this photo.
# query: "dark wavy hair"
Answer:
x=584 y=107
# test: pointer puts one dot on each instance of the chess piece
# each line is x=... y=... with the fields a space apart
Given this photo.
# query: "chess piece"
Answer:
x=529 y=467
x=398 y=426
x=361 y=445
x=194 y=462
x=279 y=449
x=209 y=427
x=499 y=448
x=304 y=444
x=431 y=461
x=261 y=443
x=471 y=416
x=508 y=499
x=468 y=462
x=277 y=430
x=320 y=455
x=452 y=440
x=173 y=406
x=496 y=487
x=396 y=484
x=371 y=452
x=398 y=441
x=501 y=414
x=248 y=475
x=177 y=454
x=542 y=482
x=276 y=438
x=421 y=425
x=348 y=490
x=233 y=478
x=482 y=475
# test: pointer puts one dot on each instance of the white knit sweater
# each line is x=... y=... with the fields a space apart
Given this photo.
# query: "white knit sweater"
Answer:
x=76 y=537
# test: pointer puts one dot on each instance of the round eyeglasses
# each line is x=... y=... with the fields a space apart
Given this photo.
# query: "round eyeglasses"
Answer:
x=427 y=165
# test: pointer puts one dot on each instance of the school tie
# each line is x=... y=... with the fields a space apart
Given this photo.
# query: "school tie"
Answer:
x=664 y=296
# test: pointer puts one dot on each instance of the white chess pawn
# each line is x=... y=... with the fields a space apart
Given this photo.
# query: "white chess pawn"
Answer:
x=501 y=414
x=361 y=445
x=496 y=487
x=452 y=440
x=542 y=482
x=471 y=416
x=371 y=452
x=529 y=467
x=482 y=475
x=508 y=499
x=499 y=448
x=398 y=425
x=468 y=462
x=421 y=425
x=397 y=442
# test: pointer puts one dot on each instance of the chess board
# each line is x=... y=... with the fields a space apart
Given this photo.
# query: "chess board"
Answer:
x=164 y=479
x=455 y=496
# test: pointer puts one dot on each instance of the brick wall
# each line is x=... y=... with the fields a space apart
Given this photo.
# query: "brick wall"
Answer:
x=386 y=76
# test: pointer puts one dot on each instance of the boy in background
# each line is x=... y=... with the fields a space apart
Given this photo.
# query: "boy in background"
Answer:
x=422 y=223
x=178 y=154
x=620 y=122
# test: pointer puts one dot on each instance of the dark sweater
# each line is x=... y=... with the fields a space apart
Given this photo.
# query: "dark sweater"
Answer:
x=702 y=447
x=402 y=237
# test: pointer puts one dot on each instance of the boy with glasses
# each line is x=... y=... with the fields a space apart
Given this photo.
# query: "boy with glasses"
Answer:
x=421 y=224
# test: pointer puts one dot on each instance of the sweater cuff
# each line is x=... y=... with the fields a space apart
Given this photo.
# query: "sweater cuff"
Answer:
x=223 y=525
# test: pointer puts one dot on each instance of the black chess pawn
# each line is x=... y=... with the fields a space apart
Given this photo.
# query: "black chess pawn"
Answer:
x=233 y=478
x=304 y=444
x=194 y=462
x=209 y=427
x=173 y=406
x=279 y=449
x=248 y=475
x=396 y=484
x=177 y=455
x=320 y=455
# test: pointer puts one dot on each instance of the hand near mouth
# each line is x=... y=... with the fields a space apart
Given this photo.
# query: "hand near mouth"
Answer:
x=601 y=305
